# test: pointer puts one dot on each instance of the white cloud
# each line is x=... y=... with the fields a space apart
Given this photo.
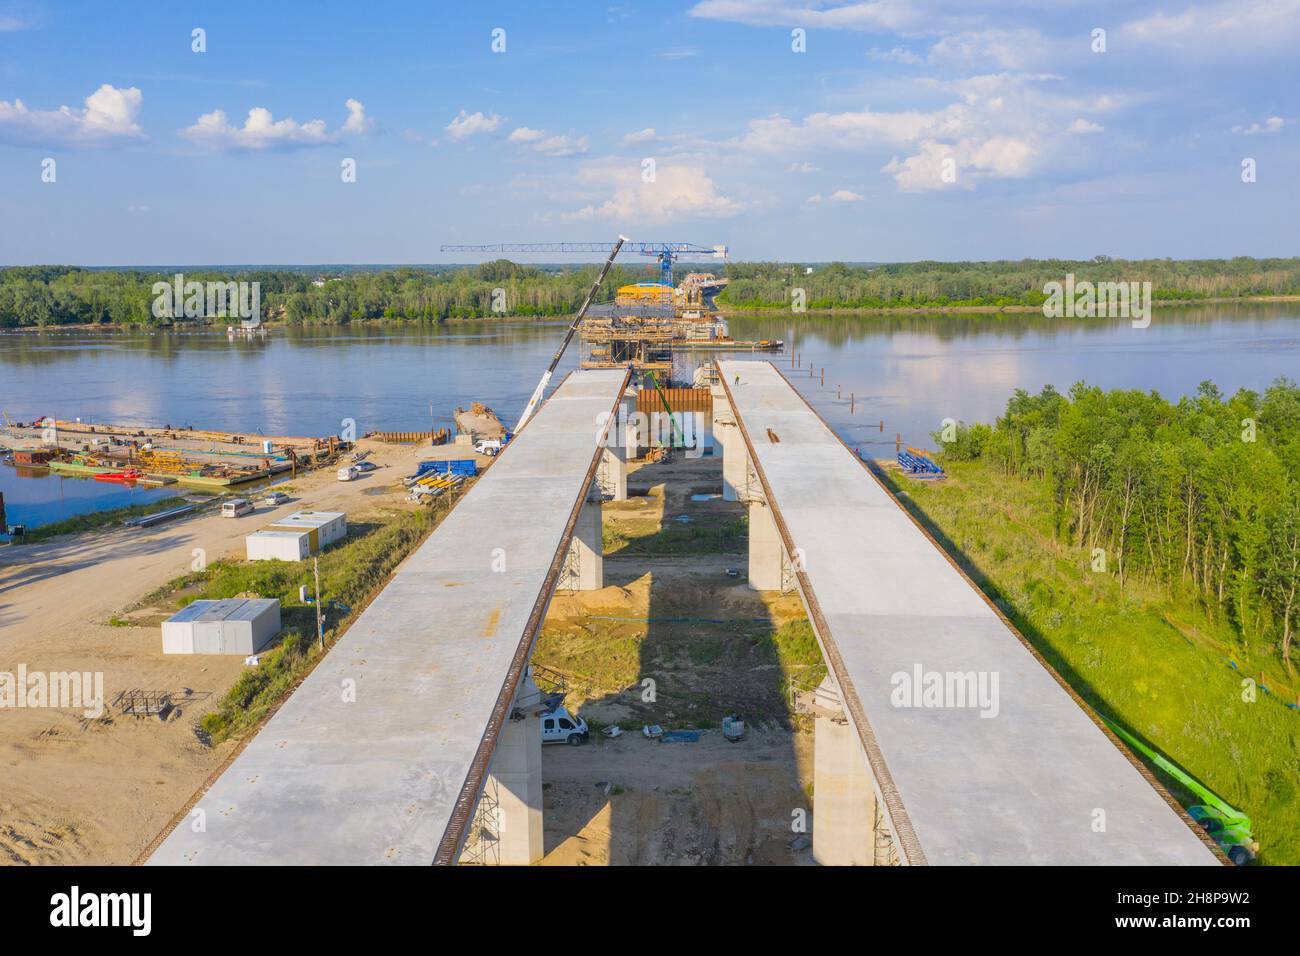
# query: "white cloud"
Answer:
x=852 y=130
x=897 y=15
x=998 y=126
x=1004 y=49
x=814 y=199
x=1273 y=124
x=540 y=141
x=642 y=136
x=678 y=192
x=804 y=167
x=261 y=130
x=844 y=195
x=471 y=124
x=925 y=170
x=897 y=55
x=109 y=118
x=678 y=53
x=1220 y=29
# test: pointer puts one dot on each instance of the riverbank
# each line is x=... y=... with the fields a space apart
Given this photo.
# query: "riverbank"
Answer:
x=768 y=310
x=736 y=310
x=98 y=520
x=1162 y=668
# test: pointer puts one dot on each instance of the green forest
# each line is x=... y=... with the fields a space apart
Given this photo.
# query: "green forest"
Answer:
x=61 y=295
x=768 y=285
x=1199 y=499
x=36 y=296
x=1151 y=552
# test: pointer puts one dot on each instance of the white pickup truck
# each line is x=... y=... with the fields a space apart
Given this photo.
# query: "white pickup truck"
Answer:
x=488 y=446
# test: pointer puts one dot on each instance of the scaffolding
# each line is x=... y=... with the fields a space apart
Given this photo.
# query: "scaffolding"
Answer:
x=483 y=845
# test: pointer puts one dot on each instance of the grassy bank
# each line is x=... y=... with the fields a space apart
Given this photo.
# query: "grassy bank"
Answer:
x=352 y=572
x=1157 y=666
x=97 y=520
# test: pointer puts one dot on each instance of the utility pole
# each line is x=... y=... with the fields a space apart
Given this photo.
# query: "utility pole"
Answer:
x=320 y=625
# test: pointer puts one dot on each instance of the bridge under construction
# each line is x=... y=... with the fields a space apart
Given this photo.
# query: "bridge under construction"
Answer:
x=941 y=735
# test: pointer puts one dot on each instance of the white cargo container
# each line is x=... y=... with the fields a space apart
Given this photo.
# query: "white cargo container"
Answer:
x=240 y=626
x=325 y=527
x=274 y=544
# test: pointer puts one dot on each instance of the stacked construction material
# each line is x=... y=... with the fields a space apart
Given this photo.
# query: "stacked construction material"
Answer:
x=918 y=465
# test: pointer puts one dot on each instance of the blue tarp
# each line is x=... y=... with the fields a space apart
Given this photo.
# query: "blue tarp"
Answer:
x=680 y=736
x=460 y=466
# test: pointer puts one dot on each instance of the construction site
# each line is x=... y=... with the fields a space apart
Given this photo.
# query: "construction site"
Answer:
x=193 y=458
x=707 y=626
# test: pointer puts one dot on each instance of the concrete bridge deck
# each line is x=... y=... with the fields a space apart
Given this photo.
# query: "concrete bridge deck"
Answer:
x=1037 y=780
x=380 y=755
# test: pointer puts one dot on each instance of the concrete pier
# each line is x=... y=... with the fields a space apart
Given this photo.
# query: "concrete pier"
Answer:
x=735 y=460
x=584 y=567
x=844 y=803
x=516 y=782
x=612 y=473
x=766 y=554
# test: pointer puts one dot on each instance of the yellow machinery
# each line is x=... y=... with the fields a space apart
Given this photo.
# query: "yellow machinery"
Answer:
x=644 y=293
x=162 y=462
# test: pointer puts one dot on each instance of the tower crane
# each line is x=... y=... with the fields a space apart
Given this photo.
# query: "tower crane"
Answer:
x=665 y=252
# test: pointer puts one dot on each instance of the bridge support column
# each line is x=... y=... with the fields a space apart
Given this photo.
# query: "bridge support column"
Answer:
x=766 y=553
x=731 y=445
x=584 y=567
x=635 y=434
x=844 y=803
x=612 y=473
x=516 y=777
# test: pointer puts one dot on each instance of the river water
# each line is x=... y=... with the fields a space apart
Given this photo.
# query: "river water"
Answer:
x=909 y=371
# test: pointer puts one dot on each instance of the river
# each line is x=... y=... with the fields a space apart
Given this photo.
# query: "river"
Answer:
x=911 y=372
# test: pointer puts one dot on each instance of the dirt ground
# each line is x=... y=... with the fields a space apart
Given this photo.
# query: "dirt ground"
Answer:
x=682 y=621
x=637 y=802
x=91 y=791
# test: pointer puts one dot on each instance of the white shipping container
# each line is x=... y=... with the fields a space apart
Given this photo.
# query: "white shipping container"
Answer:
x=272 y=544
x=240 y=626
x=326 y=526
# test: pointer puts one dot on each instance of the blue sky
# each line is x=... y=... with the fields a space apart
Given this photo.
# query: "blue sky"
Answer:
x=905 y=129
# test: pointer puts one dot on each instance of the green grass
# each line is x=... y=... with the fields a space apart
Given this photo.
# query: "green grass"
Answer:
x=701 y=670
x=1153 y=665
x=351 y=572
x=701 y=536
x=95 y=520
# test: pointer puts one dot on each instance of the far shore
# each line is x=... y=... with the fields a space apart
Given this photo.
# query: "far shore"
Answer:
x=735 y=312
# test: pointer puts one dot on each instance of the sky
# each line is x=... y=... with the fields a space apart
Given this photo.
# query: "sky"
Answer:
x=804 y=130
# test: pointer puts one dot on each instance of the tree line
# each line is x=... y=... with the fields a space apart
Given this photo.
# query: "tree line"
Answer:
x=1200 y=497
x=62 y=295
x=772 y=285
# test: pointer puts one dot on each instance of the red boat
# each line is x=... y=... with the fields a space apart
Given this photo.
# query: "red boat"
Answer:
x=122 y=477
